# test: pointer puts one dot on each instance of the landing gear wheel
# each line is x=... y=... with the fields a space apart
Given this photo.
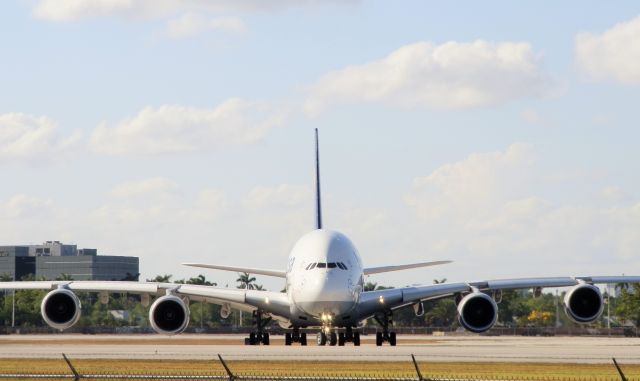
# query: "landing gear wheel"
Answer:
x=341 y=339
x=252 y=338
x=392 y=339
x=356 y=339
x=265 y=338
x=303 y=339
x=333 y=339
x=321 y=338
x=378 y=339
x=287 y=338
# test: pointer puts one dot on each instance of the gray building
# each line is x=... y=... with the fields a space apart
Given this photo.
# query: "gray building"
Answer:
x=53 y=258
x=15 y=261
x=88 y=267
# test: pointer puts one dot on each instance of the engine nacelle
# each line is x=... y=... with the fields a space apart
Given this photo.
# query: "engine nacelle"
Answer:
x=169 y=315
x=583 y=303
x=60 y=308
x=477 y=312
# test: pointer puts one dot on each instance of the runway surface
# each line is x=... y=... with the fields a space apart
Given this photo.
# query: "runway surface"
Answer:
x=425 y=348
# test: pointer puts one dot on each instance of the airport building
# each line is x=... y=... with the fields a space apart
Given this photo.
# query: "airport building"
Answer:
x=53 y=258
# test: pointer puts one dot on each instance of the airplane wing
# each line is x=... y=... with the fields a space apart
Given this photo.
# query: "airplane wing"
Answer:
x=384 y=269
x=372 y=302
x=247 y=300
x=276 y=273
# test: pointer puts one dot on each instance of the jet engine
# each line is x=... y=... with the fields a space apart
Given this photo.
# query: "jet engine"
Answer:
x=169 y=315
x=583 y=303
x=477 y=312
x=60 y=308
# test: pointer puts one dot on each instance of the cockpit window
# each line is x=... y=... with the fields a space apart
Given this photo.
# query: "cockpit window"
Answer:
x=313 y=265
x=322 y=265
x=331 y=265
x=342 y=266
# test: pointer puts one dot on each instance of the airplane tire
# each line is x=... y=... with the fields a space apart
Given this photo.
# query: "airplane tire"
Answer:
x=303 y=339
x=321 y=339
x=356 y=339
x=392 y=339
x=287 y=338
x=378 y=339
x=265 y=338
x=341 y=339
x=333 y=339
x=252 y=338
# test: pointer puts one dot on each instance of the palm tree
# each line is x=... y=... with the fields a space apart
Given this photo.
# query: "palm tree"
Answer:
x=246 y=281
x=166 y=278
x=201 y=280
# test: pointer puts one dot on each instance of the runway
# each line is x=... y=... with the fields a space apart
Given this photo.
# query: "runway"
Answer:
x=425 y=348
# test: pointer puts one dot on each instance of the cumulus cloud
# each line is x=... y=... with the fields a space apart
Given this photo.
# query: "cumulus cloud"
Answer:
x=474 y=185
x=492 y=207
x=612 y=55
x=28 y=137
x=144 y=188
x=73 y=10
x=454 y=75
x=182 y=129
x=284 y=195
x=191 y=24
x=25 y=207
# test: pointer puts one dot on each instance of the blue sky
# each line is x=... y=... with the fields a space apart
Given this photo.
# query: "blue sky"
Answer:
x=495 y=133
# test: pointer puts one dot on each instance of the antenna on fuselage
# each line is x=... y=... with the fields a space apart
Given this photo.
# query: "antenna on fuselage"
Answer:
x=318 y=202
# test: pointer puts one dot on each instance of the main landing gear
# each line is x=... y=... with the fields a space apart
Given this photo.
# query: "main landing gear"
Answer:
x=385 y=320
x=295 y=337
x=340 y=338
x=259 y=336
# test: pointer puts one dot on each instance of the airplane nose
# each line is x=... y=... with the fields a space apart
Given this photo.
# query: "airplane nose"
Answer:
x=328 y=295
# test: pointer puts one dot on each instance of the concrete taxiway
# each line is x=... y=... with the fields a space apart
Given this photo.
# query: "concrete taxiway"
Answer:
x=425 y=348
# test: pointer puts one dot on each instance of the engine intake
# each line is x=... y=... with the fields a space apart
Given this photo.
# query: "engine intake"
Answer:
x=583 y=303
x=60 y=308
x=477 y=312
x=169 y=315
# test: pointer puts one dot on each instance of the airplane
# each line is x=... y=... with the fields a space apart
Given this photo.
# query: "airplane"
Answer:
x=324 y=291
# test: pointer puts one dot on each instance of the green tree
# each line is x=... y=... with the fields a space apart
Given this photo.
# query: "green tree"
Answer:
x=628 y=305
x=166 y=278
x=246 y=281
x=200 y=280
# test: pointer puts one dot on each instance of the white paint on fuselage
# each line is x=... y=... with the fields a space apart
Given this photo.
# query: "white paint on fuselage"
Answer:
x=324 y=290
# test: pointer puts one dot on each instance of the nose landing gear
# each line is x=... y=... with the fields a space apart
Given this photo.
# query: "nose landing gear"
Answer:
x=385 y=320
x=340 y=338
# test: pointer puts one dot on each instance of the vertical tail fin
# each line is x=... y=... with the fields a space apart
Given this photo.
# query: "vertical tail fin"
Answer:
x=318 y=199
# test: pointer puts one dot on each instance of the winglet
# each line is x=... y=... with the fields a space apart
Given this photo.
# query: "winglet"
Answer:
x=318 y=199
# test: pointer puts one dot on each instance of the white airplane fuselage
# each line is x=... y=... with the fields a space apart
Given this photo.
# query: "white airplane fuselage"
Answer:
x=324 y=276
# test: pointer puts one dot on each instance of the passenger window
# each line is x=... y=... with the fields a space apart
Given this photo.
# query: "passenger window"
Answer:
x=331 y=265
x=322 y=265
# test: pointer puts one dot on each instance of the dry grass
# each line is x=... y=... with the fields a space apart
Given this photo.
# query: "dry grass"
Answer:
x=487 y=371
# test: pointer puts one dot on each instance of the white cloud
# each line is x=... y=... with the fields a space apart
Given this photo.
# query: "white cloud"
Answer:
x=73 y=10
x=191 y=24
x=453 y=75
x=32 y=138
x=144 y=188
x=23 y=206
x=474 y=185
x=182 y=129
x=612 y=55
x=283 y=195
x=490 y=208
